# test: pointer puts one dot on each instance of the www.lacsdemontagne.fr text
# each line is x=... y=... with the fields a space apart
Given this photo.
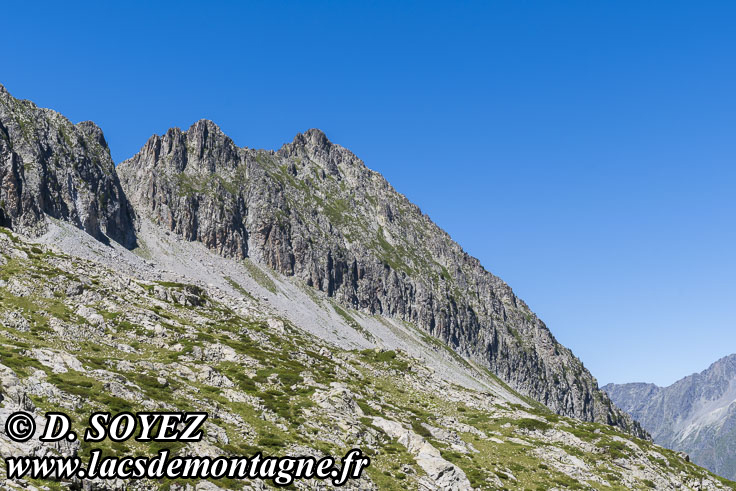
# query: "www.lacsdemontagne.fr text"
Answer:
x=150 y=427
x=281 y=470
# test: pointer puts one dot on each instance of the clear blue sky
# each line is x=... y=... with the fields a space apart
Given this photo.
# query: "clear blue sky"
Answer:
x=584 y=151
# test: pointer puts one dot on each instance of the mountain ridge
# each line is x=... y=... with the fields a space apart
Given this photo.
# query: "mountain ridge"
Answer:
x=310 y=209
x=369 y=251
x=300 y=299
x=695 y=414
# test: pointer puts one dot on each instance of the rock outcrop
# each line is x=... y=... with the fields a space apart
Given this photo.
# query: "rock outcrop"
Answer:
x=313 y=210
x=51 y=167
x=696 y=415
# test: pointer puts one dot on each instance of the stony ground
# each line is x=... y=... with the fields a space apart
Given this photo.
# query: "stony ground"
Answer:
x=78 y=336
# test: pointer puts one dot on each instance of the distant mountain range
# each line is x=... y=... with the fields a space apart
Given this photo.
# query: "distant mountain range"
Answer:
x=696 y=414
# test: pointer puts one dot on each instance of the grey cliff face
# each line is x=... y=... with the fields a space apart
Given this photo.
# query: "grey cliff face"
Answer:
x=314 y=211
x=49 y=166
x=696 y=414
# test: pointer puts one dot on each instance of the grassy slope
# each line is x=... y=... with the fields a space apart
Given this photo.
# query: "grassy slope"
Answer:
x=294 y=394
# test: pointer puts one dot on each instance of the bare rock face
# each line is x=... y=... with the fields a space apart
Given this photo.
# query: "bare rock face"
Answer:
x=313 y=210
x=49 y=166
x=176 y=175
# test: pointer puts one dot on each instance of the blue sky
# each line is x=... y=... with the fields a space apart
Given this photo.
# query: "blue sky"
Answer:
x=584 y=151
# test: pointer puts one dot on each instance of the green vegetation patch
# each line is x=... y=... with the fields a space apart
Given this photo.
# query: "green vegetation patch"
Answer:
x=260 y=276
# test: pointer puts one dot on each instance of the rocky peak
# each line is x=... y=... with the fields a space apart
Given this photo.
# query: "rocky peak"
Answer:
x=313 y=138
x=724 y=368
x=93 y=131
x=711 y=383
x=210 y=147
x=313 y=145
x=201 y=149
x=183 y=180
x=51 y=167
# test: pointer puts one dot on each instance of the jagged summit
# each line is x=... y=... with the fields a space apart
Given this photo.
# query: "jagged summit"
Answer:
x=93 y=131
x=51 y=167
x=725 y=366
x=314 y=138
x=205 y=124
x=313 y=145
x=203 y=147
